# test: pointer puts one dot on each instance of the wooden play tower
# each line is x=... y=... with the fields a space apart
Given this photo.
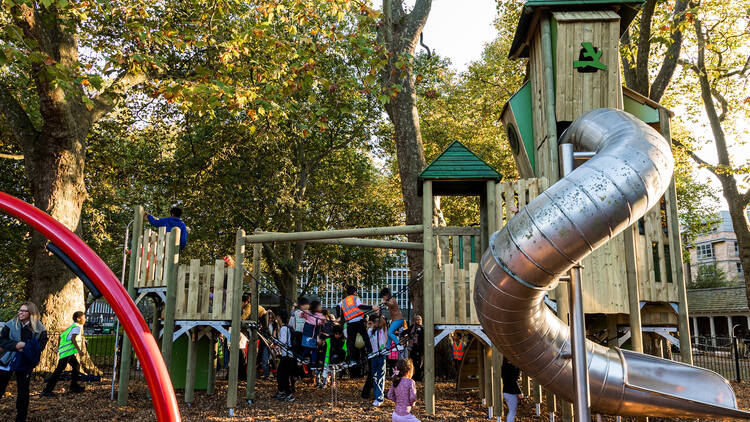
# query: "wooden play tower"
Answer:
x=632 y=284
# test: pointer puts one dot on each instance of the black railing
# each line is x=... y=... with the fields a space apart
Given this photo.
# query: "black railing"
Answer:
x=727 y=356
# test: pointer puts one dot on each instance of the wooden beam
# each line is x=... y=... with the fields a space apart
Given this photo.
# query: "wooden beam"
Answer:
x=631 y=270
x=457 y=231
x=252 y=353
x=192 y=355
x=171 y=256
x=675 y=252
x=428 y=299
x=333 y=234
x=211 y=386
x=497 y=385
x=234 y=332
x=127 y=349
x=371 y=243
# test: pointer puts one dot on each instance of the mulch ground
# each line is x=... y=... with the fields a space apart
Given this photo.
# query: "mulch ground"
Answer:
x=311 y=404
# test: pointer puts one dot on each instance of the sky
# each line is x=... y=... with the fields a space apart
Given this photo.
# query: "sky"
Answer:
x=459 y=30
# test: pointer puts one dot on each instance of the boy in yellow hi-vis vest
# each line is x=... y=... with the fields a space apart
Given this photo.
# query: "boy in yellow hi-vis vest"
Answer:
x=71 y=343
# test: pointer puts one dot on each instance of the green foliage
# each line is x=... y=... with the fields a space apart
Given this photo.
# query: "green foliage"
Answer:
x=709 y=275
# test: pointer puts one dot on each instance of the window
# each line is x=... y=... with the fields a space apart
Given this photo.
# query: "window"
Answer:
x=705 y=251
x=736 y=249
x=739 y=268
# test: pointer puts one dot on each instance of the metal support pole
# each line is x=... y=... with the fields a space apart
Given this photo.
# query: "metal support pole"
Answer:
x=578 y=348
x=577 y=318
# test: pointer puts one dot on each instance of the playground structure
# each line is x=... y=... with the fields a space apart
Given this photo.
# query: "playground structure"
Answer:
x=97 y=276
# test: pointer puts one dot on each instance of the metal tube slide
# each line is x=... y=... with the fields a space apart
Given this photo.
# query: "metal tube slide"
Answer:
x=628 y=174
x=160 y=385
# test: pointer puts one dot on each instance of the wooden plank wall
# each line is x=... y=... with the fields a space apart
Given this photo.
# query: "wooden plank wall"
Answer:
x=654 y=257
x=204 y=292
x=544 y=165
x=150 y=262
x=456 y=269
x=576 y=92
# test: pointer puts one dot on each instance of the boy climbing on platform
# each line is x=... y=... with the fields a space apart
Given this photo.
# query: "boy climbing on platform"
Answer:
x=71 y=344
x=174 y=220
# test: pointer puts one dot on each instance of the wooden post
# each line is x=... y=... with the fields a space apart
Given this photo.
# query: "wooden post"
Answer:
x=634 y=301
x=492 y=225
x=563 y=312
x=192 y=360
x=156 y=308
x=536 y=394
x=172 y=256
x=211 y=386
x=566 y=410
x=675 y=254
x=252 y=353
x=549 y=97
x=428 y=299
x=127 y=349
x=487 y=356
x=612 y=330
x=525 y=385
x=551 y=404
x=480 y=369
x=234 y=332
x=497 y=385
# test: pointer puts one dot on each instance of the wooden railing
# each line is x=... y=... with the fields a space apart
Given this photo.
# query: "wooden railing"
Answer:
x=204 y=292
x=149 y=270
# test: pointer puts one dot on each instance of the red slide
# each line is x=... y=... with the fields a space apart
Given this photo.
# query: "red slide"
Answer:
x=149 y=355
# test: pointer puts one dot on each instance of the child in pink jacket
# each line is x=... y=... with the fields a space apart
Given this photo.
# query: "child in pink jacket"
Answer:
x=403 y=392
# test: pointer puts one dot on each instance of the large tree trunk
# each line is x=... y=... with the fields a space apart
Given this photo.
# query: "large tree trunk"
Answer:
x=399 y=31
x=55 y=171
x=54 y=156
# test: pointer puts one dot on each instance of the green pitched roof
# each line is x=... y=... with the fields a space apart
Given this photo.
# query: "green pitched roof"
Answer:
x=717 y=300
x=627 y=9
x=458 y=163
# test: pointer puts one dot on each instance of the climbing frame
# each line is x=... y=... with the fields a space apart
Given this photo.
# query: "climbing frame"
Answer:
x=204 y=292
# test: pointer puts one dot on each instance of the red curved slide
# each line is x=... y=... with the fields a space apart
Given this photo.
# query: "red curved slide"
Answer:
x=165 y=402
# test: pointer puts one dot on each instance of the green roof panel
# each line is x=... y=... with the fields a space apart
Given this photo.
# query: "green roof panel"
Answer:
x=458 y=163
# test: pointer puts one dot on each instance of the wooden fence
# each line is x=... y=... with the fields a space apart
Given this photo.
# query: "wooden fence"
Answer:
x=204 y=292
x=149 y=270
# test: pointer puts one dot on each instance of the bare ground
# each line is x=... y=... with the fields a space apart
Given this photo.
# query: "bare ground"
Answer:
x=311 y=404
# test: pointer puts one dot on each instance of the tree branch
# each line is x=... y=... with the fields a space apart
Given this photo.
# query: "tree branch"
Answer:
x=644 y=48
x=661 y=82
x=416 y=19
x=11 y=156
x=18 y=121
x=113 y=94
x=701 y=162
x=627 y=65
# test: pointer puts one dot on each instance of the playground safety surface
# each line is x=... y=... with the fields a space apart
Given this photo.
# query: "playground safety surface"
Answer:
x=311 y=404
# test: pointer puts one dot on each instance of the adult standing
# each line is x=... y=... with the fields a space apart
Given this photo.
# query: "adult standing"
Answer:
x=351 y=308
x=71 y=343
x=174 y=220
x=416 y=337
x=21 y=343
x=511 y=393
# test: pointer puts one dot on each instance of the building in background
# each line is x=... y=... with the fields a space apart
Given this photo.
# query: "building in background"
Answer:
x=718 y=312
x=717 y=247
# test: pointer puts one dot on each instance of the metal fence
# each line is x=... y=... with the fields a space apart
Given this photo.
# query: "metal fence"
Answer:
x=727 y=356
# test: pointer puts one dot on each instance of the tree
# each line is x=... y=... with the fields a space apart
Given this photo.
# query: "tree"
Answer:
x=66 y=65
x=665 y=42
x=399 y=32
x=709 y=276
x=722 y=69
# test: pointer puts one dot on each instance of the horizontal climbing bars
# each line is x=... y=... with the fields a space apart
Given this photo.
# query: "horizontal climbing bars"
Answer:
x=372 y=243
x=332 y=234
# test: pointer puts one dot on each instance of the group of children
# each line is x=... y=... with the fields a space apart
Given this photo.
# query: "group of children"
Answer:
x=311 y=339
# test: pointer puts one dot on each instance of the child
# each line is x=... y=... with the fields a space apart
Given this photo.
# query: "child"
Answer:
x=377 y=336
x=297 y=323
x=287 y=362
x=335 y=350
x=71 y=343
x=511 y=393
x=314 y=319
x=403 y=392
x=397 y=319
